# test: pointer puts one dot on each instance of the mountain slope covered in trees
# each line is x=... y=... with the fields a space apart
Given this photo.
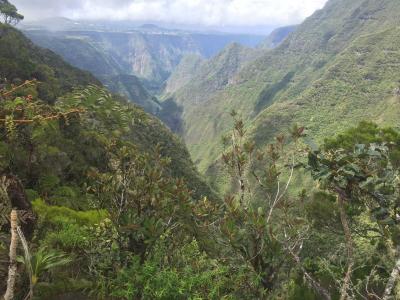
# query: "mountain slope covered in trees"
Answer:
x=21 y=60
x=212 y=75
x=337 y=68
x=62 y=135
x=184 y=72
x=132 y=88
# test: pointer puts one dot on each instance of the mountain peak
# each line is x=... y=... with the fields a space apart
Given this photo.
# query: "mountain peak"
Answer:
x=150 y=27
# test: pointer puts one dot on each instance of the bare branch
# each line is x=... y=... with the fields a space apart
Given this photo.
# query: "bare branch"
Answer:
x=278 y=196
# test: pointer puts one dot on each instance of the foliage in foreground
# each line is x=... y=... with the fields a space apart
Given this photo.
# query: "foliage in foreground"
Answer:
x=115 y=222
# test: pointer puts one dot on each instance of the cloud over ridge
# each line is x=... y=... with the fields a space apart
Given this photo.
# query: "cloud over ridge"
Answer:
x=203 y=12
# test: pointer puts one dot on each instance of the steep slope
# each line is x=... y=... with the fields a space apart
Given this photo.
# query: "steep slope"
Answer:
x=148 y=52
x=55 y=152
x=189 y=65
x=132 y=88
x=210 y=77
x=20 y=60
x=277 y=36
x=203 y=79
x=78 y=51
x=313 y=78
x=214 y=74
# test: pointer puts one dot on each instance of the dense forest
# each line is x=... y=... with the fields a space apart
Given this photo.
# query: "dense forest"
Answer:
x=99 y=199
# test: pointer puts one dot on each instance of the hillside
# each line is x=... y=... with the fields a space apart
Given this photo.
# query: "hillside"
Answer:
x=336 y=61
x=184 y=72
x=78 y=51
x=130 y=87
x=196 y=80
x=150 y=53
x=212 y=75
x=21 y=60
x=209 y=76
x=66 y=161
x=277 y=36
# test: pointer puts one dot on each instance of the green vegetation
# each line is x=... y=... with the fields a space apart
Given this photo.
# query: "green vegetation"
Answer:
x=130 y=230
x=149 y=52
x=277 y=36
x=68 y=155
x=105 y=202
x=210 y=76
x=183 y=73
x=21 y=60
x=338 y=68
x=59 y=150
x=132 y=88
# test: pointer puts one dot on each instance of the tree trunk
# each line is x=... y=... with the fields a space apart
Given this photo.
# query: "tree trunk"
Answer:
x=394 y=276
x=349 y=245
x=12 y=270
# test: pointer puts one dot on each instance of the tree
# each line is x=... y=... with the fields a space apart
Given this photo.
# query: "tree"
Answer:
x=363 y=179
x=42 y=261
x=9 y=13
x=19 y=116
x=260 y=224
x=142 y=202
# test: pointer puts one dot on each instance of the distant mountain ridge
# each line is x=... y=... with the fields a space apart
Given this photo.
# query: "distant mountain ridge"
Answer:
x=146 y=51
x=277 y=36
x=59 y=23
x=140 y=56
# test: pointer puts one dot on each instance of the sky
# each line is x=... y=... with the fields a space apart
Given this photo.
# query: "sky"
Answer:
x=212 y=13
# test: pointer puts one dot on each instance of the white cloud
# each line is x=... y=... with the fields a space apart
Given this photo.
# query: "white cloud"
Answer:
x=203 y=12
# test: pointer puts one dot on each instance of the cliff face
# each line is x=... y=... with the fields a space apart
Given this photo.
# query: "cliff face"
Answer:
x=131 y=87
x=149 y=54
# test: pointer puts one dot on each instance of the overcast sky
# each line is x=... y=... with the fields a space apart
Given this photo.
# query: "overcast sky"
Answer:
x=217 y=13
